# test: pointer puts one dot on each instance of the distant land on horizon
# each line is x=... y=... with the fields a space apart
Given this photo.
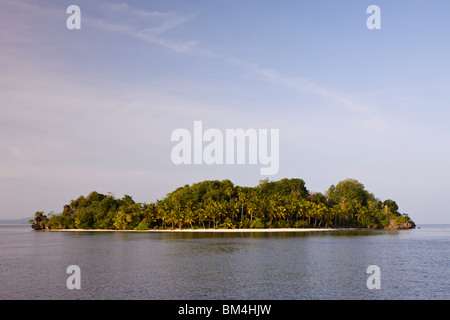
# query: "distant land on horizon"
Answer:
x=16 y=221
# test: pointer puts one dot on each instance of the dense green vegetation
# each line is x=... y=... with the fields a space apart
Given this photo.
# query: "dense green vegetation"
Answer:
x=220 y=204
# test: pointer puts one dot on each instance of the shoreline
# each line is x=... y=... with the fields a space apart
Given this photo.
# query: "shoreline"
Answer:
x=210 y=230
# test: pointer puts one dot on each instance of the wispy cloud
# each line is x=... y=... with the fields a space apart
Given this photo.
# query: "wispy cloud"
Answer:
x=156 y=27
x=299 y=83
x=307 y=85
x=150 y=26
x=170 y=21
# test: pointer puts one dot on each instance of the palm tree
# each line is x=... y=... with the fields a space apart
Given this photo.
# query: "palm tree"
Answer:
x=336 y=213
x=219 y=211
x=309 y=211
x=170 y=216
x=280 y=212
x=210 y=212
x=362 y=217
x=151 y=213
x=201 y=216
x=321 y=213
x=189 y=214
x=161 y=211
x=229 y=192
x=292 y=205
x=272 y=205
x=252 y=206
x=241 y=196
x=234 y=209
x=302 y=209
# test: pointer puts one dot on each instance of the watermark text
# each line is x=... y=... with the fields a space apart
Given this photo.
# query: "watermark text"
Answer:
x=236 y=146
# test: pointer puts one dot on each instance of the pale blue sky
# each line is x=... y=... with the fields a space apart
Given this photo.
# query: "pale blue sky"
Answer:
x=93 y=109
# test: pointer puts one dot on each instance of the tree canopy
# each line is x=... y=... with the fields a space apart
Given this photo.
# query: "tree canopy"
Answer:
x=286 y=203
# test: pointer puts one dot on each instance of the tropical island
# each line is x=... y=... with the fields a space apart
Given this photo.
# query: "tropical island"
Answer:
x=214 y=204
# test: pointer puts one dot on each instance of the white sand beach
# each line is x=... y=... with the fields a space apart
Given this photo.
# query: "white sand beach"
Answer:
x=211 y=230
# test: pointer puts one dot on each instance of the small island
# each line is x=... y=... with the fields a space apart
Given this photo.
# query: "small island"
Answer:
x=214 y=204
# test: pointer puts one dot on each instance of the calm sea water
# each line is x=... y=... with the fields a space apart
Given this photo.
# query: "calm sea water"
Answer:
x=414 y=264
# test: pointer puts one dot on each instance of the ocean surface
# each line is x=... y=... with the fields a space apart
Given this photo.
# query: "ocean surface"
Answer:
x=413 y=264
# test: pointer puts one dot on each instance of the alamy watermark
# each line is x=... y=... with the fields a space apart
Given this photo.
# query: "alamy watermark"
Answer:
x=374 y=21
x=374 y=280
x=74 y=280
x=74 y=20
x=228 y=148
